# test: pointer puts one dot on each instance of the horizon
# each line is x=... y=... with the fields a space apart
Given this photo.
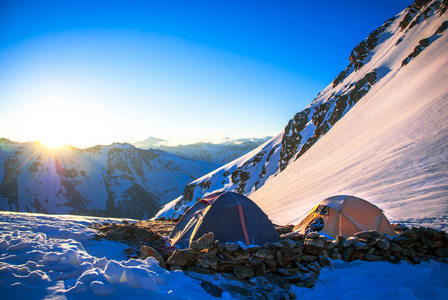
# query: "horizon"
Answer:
x=89 y=73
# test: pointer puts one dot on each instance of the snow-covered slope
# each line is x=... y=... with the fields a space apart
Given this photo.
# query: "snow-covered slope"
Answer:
x=220 y=152
x=403 y=61
x=116 y=180
x=392 y=147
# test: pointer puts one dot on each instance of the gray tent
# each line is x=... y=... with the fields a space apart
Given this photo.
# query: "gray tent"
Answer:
x=230 y=216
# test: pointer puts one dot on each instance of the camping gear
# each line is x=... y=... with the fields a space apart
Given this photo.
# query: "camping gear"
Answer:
x=344 y=215
x=230 y=216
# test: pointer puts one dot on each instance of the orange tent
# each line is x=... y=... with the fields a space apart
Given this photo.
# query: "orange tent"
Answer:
x=344 y=215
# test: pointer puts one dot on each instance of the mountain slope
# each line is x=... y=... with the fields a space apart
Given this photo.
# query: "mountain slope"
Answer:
x=116 y=180
x=391 y=148
x=387 y=52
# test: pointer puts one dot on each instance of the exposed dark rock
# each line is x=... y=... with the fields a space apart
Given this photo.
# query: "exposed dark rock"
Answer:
x=147 y=251
x=368 y=234
x=243 y=272
x=212 y=289
x=204 y=242
x=181 y=257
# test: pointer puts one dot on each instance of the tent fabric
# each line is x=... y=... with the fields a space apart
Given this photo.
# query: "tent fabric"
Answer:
x=230 y=216
x=344 y=215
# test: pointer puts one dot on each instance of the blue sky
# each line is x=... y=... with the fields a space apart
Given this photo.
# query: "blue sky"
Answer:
x=97 y=72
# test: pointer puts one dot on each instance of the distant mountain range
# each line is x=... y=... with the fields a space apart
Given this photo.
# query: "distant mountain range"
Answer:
x=382 y=62
x=220 y=152
x=118 y=180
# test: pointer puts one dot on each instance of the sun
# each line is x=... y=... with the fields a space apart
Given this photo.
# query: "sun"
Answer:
x=53 y=142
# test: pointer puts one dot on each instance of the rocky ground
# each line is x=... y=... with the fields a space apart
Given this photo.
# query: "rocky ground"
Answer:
x=268 y=271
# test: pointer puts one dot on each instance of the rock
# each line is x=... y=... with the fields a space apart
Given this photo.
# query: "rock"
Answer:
x=368 y=234
x=279 y=259
x=208 y=263
x=408 y=234
x=298 y=248
x=243 y=272
x=353 y=239
x=200 y=270
x=287 y=253
x=441 y=252
x=409 y=253
x=264 y=253
x=259 y=270
x=346 y=244
x=339 y=240
x=231 y=247
x=335 y=255
x=225 y=267
x=360 y=246
x=403 y=241
x=212 y=289
x=387 y=237
x=314 y=267
x=204 y=242
x=208 y=253
x=323 y=261
x=312 y=235
x=147 y=251
x=284 y=272
x=254 y=261
x=329 y=245
x=284 y=229
x=395 y=247
x=181 y=257
x=312 y=250
x=270 y=264
x=372 y=257
x=307 y=258
x=175 y=268
x=236 y=256
x=277 y=280
x=318 y=242
x=306 y=281
x=383 y=244
x=349 y=254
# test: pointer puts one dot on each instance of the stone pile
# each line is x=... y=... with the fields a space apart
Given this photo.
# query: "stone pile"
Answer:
x=298 y=258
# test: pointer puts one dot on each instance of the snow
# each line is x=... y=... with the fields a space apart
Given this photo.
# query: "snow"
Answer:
x=379 y=280
x=55 y=257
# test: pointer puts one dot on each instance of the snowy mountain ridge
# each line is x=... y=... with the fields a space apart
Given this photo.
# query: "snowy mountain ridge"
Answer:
x=220 y=152
x=115 y=180
x=385 y=53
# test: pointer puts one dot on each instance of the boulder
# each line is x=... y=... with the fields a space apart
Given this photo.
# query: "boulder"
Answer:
x=360 y=246
x=368 y=234
x=208 y=263
x=318 y=242
x=231 y=247
x=204 y=242
x=372 y=257
x=312 y=249
x=264 y=253
x=383 y=244
x=243 y=272
x=147 y=251
x=181 y=257
x=208 y=253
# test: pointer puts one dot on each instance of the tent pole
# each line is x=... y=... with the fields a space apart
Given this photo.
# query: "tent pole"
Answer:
x=243 y=225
